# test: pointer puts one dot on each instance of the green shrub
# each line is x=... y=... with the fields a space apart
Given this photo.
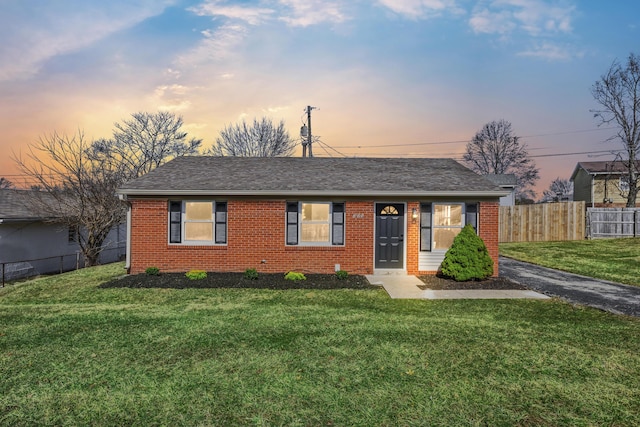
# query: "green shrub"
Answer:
x=152 y=271
x=467 y=258
x=251 y=274
x=342 y=274
x=292 y=275
x=196 y=274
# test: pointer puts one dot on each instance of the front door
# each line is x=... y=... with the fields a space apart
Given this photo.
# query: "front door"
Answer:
x=389 y=235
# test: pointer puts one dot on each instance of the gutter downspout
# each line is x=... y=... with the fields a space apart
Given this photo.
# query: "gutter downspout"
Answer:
x=593 y=194
x=127 y=263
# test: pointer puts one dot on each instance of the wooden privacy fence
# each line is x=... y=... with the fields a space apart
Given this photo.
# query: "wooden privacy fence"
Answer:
x=613 y=222
x=542 y=222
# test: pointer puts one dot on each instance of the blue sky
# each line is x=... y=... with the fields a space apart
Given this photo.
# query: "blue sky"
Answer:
x=389 y=77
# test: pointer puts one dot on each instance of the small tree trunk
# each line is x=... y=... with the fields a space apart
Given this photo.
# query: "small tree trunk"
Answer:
x=91 y=258
x=633 y=194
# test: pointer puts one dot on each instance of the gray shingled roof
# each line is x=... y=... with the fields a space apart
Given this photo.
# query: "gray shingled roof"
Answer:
x=610 y=166
x=311 y=176
x=606 y=167
x=507 y=180
x=15 y=206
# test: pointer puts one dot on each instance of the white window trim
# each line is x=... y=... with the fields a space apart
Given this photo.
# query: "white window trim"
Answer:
x=330 y=223
x=434 y=227
x=184 y=221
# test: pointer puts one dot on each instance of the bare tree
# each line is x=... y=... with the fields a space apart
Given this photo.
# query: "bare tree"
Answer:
x=496 y=150
x=78 y=179
x=618 y=93
x=262 y=139
x=144 y=142
x=559 y=189
x=5 y=183
x=75 y=190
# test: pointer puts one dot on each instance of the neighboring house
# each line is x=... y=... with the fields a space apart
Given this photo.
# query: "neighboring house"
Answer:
x=305 y=214
x=30 y=245
x=508 y=183
x=601 y=184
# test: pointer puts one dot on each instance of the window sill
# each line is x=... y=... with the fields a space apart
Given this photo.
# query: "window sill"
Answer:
x=314 y=248
x=196 y=246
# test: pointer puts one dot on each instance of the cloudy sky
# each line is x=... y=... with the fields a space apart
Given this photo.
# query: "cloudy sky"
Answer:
x=388 y=77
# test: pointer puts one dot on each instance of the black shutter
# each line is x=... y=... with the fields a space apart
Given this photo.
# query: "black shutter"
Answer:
x=221 y=222
x=292 y=223
x=337 y=224
x=175 y=222
x=471 y=215
x=425 y=226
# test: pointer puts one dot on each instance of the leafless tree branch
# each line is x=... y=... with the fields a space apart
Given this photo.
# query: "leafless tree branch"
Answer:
x=495 y=150
x=261 y=139
x=618 y=93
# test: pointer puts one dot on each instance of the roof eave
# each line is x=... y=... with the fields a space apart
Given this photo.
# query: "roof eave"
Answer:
x=7 y=220
x=270 y=193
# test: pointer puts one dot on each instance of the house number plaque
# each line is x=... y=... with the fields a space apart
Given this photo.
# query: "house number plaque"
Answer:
x=358 y=215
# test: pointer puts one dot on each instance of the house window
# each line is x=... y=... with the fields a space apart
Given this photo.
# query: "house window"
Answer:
x=315 y=223
x=623 y=184
x=447 y=223
x=73 y=234
x=198 y=222
x=440 y=223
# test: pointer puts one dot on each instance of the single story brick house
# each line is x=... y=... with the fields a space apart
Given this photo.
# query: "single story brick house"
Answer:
x=362 y=215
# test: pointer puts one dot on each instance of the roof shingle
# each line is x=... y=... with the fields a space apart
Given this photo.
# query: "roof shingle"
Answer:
x=318 y=175
x=17 y=205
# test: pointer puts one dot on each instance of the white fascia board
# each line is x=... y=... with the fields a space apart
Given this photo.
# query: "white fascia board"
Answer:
x=377 y=194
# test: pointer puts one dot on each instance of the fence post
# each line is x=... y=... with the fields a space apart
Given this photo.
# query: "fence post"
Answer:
x=3 y=274
x=61 y=263
x=77 y=260
x=635 y=222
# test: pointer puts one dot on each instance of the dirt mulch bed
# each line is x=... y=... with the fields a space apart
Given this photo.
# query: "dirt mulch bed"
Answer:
x=237 y=280
x=495 y=283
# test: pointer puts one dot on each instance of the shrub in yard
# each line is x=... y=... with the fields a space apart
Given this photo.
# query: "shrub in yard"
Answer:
x=342 y=274
x=152 y=271
x=251 y=274
x=292 y=275
x=467 y=258
x=196 y=274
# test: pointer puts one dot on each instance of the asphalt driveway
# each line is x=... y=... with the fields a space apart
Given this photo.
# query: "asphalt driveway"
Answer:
x=613 y=297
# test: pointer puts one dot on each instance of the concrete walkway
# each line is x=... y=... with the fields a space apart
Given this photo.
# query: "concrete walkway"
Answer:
x=609 y=296
x=406 y=287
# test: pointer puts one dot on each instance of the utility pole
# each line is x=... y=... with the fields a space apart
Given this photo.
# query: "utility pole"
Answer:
x=307 y=129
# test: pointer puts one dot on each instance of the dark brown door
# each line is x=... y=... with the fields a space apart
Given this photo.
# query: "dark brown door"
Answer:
x=389 y=235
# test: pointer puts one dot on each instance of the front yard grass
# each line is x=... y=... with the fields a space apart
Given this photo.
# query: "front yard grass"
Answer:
x=73 y=354
x=617 y=260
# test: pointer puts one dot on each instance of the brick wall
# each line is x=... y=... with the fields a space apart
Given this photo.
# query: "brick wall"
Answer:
x=488 y=227
x=413 y=238
x=256 y=233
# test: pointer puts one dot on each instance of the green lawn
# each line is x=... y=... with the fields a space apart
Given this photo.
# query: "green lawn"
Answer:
x=72 y=354
x=610 y=259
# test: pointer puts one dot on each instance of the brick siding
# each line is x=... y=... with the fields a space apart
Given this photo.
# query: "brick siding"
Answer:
x=256 y=239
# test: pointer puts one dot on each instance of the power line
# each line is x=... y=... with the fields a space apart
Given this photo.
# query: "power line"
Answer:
x=331 y=148
x=572 y=154
x=468 y=140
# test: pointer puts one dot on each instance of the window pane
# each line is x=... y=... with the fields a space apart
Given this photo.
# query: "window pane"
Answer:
x=199 y=211
x=444 y=215
x=443 y=237
x=198 y=231
x=315 y=233
x=315 y=212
